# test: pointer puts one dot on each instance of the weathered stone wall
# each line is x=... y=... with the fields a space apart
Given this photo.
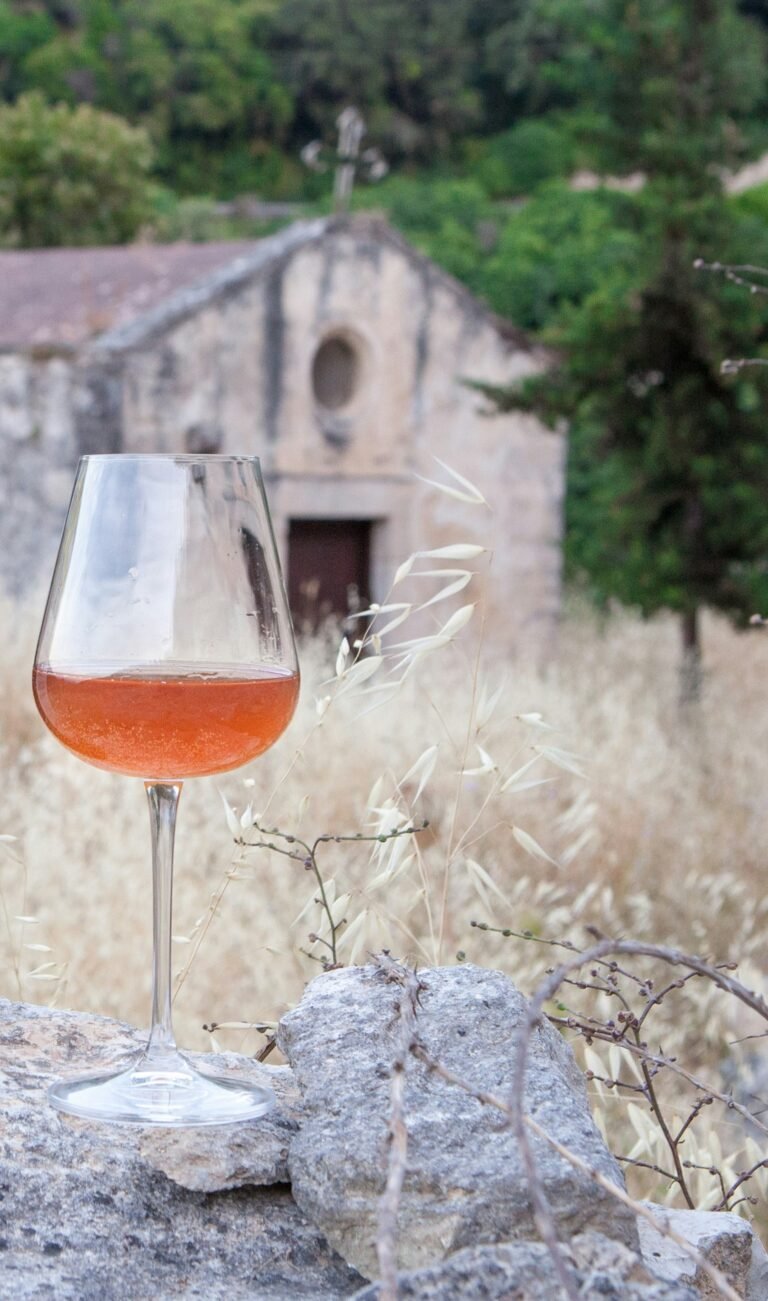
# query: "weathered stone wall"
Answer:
x=94 y=1212
x=228 y=366
x=38 y=450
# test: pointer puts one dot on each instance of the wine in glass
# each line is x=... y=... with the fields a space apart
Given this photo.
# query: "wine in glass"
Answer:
x=166 y=652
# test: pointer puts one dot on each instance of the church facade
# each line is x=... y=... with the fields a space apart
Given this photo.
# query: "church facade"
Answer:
x=333 y=351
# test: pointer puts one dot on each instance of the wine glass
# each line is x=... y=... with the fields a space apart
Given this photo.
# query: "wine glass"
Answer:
x=166 y=652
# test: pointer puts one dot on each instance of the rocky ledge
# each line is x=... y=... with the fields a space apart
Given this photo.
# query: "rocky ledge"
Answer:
x=286 y=1207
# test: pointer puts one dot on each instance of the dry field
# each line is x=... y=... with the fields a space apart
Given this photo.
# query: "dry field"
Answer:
x=626 y=815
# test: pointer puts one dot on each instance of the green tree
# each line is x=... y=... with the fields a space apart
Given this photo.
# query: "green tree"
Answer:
x=407 y=64
x=70 y=176
x=669 y=456
x=22 y=31
x=196 y=75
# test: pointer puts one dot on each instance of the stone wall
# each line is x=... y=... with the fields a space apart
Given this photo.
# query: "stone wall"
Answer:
x=290 y=1205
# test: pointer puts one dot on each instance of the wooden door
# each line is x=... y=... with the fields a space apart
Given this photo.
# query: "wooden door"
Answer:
x=328 y=569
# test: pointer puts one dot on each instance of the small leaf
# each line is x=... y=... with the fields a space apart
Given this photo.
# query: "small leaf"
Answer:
x=486 y=879
x=360 y=672
x=510 y=781
x=457 y=621
x=468 y=498
x=562 y=759
x=536 y=720
x=445 y=592
x=421 y=770
x=471 y=494
x=456 y=551
x=532 y=846
x=231 y=816
x=486 y=764
x=350 y=931
x=342 y=657
x=339 y=908
x=487 y=705
x=378 y=609
x=404 y=570
x=393 y=623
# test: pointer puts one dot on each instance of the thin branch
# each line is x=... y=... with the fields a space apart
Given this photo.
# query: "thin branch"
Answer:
x=407 y=1009
x=672 y=1144
x=742 y=274
x=723 y=1204
x=647 y=1165
x=543 y=1217
x=301 y=851
x=547 y=990
x=642 y=1052
x=719 y=1279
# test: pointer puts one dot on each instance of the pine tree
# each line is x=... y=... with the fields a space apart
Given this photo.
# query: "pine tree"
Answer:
x=668 y=492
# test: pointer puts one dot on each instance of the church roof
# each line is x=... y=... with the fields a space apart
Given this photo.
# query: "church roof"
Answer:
x=64 y=296
x=62 y=299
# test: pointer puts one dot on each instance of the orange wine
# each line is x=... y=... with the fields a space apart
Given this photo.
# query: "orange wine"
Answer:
x=166 y=723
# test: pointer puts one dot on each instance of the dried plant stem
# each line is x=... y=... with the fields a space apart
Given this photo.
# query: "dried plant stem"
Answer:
x=672 y=1143
x=491 y=1099
x=596 y=1031
x=302 y=852
x=542 y=1213
x=12 y=948
x=723 y=1204
x=718 y=1278
x=548 y=988
x=452 y=847
x=407 y=1009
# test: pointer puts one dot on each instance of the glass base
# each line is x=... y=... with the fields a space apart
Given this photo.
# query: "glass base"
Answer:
x=166 y=1092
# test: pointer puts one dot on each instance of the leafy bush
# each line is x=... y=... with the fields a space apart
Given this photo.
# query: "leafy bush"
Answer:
x=555 y=251
x=522 y=158
x=70 y=176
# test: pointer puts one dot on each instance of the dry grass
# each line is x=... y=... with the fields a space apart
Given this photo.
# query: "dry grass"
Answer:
x=663 y=839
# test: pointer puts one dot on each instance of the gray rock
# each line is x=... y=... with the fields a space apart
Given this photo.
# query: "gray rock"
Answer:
x=523 y=1271
x=465 y=1183
x=84 y=1216
x=217 y=1158
x=727 y=1241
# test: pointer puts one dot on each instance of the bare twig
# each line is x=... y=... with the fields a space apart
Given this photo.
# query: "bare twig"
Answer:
x=595 y=1031
x=743 y=275
x=724 y=1203
x=302 y=852
x=543 y=1217
x=548 y=988
x=407 y=1009
x=491 y=1099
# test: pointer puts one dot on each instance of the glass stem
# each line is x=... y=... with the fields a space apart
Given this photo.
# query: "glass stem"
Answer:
x=163 y=803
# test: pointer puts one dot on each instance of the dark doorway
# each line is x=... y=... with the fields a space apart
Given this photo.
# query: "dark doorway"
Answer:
x=328 y=569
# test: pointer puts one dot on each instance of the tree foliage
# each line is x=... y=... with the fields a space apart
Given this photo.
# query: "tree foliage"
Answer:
x=406 y=63
x=70 y=176
x=669 y=456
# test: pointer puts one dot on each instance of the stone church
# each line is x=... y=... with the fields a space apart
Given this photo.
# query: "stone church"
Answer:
x=333 y=351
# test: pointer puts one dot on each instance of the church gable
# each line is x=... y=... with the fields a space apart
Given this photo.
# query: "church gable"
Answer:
x=333 y=351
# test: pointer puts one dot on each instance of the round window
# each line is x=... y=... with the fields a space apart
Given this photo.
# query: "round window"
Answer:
x=335 y=373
